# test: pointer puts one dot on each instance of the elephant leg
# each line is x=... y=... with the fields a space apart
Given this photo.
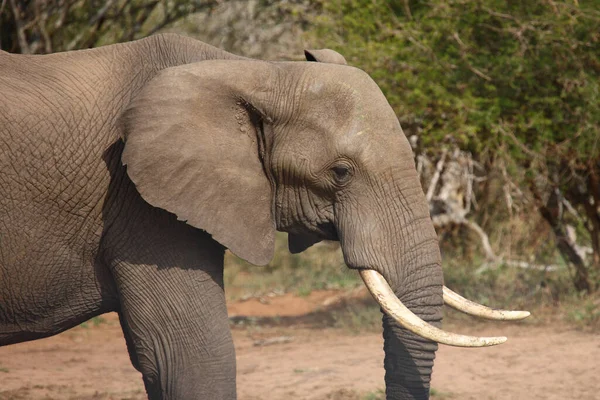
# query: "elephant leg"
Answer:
x=130 y=344
x=174 y=316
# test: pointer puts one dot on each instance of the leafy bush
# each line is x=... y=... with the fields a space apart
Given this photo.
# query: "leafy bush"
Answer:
x=515 y=83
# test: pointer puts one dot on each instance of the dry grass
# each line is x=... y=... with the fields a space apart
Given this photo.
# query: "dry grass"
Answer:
x=319 y=267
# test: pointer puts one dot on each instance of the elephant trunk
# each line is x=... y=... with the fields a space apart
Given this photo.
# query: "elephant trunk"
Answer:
x=395 y=240
x=388 y=235
x=408 y=357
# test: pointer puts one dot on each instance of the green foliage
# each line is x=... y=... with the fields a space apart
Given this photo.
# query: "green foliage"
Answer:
x=585 y=312
x=481 y=70
x=99 y=320
x=515 y=83
x=96 y=321
x=32 y=27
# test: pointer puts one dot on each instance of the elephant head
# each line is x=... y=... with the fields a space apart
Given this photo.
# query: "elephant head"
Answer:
x=241 y=148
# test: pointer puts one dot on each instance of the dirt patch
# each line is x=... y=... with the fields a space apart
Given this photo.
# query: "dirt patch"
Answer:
x=291 y=305
x=286 y=361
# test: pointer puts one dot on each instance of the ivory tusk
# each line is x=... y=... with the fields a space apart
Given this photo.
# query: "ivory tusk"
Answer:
x=383 y=294
x=459 y=303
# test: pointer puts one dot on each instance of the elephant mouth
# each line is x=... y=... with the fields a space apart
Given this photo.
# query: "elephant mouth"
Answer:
x=302 y=238
x=384 y=295
x=327 y=231
x=316 y=231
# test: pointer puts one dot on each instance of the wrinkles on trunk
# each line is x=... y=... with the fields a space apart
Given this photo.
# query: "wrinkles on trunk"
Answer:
x=409 y=358
x=408 y=363
x=396 y=238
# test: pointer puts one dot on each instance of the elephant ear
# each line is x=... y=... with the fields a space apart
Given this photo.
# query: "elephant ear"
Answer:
x=192 y=148
x=325 y=56
x=298 y=242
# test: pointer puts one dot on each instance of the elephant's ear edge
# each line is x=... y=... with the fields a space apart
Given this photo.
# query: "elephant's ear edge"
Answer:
x=325 y=56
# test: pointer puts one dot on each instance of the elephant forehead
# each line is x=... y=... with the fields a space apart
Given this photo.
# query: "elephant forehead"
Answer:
x=356 y=135
x=382 y=146
x=346 y=106
x=349 y=109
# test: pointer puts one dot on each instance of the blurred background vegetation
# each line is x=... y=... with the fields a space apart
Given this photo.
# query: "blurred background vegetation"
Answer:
x=500 y=100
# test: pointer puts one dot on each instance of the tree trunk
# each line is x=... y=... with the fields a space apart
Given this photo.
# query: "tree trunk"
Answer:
x=551 y=213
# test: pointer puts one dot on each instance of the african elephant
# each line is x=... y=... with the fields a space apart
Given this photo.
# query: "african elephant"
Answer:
x=127 y=170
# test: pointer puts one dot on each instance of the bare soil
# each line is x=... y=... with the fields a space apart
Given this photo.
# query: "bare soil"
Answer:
x=286 y=351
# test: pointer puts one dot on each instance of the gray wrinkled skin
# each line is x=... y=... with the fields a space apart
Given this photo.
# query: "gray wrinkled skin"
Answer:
x=125 y=171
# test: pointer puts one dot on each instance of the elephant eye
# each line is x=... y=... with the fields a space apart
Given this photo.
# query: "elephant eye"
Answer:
x=341 y=174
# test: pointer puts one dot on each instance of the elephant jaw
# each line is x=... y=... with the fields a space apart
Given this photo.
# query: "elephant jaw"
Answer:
x=384 y=295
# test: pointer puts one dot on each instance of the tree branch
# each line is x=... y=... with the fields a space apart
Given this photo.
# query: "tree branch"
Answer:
x=94 y=23
x=493 y=261
x=42 y=17
x=463 y=56
x=436 y=176
x=25 y=49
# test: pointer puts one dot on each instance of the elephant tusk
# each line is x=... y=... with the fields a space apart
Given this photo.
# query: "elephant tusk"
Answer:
x=459 y=303
x=384 y=295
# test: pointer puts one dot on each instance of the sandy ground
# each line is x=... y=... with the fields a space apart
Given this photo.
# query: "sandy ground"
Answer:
x=297 y=361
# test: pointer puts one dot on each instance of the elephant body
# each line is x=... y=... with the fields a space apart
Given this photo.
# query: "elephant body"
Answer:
x=127 y=170
x=68 y=209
